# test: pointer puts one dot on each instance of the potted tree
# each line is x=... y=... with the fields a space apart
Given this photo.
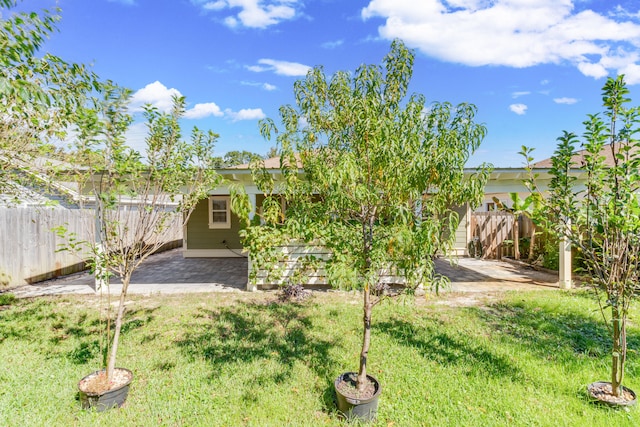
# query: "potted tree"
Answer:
x=140 y=200
x=602 y=217
x=381 y=175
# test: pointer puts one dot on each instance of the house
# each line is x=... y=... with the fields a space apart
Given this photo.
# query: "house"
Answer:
x=213 y=229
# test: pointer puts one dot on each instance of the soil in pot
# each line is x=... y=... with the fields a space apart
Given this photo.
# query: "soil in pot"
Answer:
x=354 y=403
x=602 y=392
x=98 y=393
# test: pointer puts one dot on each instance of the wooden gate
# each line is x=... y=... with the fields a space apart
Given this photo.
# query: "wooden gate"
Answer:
x=492 y=228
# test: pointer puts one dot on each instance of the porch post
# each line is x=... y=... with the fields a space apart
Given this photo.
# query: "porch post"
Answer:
x=564 y=265
x=250 y=286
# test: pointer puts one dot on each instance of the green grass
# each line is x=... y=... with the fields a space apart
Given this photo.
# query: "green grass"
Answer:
x=240 y=359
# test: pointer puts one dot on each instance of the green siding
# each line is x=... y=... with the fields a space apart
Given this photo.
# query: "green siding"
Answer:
x=200 y=236
x=461 y=231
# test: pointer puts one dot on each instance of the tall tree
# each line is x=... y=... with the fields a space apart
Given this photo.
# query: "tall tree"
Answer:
x=603 y=219
x=138 y=196
x=382 y=172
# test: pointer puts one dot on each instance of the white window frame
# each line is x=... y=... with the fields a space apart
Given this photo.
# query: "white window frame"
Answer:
x=227 y=211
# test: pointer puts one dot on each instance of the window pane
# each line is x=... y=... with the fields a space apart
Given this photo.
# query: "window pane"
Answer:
x=219 y=216
x=219 y=205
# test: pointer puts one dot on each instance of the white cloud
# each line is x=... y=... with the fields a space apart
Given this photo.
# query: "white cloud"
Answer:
x=160 y=97
x=200 y=111
x=245 y=114
x=252 y=13
x=155 y=94
x=519 y=109
x=283 y=68
x=269 y=87
x=567 y=101
x=215 y=5
x=513 y=33
x=631 y=73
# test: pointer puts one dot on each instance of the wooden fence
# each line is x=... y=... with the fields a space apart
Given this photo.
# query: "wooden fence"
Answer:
x=29 y=248
x=495 y=231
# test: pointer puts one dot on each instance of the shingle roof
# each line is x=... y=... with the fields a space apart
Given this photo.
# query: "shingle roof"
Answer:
x=271 y=163
x=578 y=157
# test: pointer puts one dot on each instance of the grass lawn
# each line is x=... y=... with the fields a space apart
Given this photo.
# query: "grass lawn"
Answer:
x=524 y=359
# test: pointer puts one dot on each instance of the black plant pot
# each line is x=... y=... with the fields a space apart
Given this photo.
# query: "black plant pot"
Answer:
x=108 y=399
x=595 y=392
x=354 y=407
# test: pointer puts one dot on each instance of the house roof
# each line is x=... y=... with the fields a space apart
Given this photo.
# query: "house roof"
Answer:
x=578 y=157
x=271 y=163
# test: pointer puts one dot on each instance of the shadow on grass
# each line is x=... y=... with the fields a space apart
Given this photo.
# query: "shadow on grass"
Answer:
x=552 y=333
x=63 y=333
x=247 y=332
x=91 y=333
x=449 y=348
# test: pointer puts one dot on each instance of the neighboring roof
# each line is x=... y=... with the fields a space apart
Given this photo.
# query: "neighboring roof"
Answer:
x=578 y=158
x=271 y=163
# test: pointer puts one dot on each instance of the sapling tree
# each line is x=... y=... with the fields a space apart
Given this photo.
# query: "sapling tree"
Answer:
x=382 y=172
x=138 y=196
x=602 y=216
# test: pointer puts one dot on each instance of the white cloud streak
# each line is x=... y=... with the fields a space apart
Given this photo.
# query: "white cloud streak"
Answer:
x=519 y=109
x=567 y=101
x=515 y=33
x=251 y=13
x=283 y=68
x=519 y=94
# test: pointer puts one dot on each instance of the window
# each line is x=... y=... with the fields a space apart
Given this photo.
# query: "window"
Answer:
x=491 y=206
x=219 y=212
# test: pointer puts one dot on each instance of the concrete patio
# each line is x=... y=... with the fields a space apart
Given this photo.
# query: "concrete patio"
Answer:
x=170 y=273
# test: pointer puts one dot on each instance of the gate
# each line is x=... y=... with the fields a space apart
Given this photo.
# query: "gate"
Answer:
x=492 y=229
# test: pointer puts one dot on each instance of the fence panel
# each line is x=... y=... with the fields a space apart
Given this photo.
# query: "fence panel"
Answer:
x=29 y=249
x=492 y=228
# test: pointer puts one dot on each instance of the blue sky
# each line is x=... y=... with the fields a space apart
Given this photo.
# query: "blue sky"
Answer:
x=532 y=67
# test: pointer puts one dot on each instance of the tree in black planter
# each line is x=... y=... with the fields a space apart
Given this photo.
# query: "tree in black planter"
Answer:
x=139 y=197
x=602 y=217
x=381 y=175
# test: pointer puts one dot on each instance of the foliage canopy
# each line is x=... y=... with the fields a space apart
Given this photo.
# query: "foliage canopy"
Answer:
x=370 y=173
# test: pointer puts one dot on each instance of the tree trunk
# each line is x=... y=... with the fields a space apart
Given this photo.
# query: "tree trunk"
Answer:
x=367 y=238
x=118 y=326
x=366 y=339
x=618 y=353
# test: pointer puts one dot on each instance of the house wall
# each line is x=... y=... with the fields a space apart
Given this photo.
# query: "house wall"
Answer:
x=462 y=232
x=201 y=241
